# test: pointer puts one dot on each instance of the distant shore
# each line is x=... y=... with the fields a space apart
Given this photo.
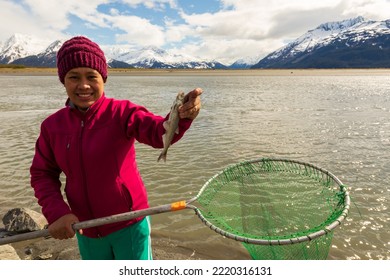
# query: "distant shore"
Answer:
x=27 y=71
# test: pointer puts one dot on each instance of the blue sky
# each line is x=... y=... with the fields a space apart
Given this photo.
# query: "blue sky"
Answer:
x=224 y=30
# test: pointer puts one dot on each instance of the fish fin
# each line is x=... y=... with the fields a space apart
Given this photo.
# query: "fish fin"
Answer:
x=166 y=125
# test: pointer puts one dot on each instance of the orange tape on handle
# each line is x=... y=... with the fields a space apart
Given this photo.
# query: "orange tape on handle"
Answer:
x=178 y=205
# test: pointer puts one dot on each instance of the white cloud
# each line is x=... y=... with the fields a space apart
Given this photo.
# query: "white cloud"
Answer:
x=49 y=13
x=151 y=4
x=245 y=28
x=114 y=12
x=137 y=30
x=18 y=19
x=250 y=27
x=370 y=9
x=240 y=28
x=177 y=32
x=228 y=51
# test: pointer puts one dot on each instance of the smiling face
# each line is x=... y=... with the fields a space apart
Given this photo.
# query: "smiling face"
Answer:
x=84 y=86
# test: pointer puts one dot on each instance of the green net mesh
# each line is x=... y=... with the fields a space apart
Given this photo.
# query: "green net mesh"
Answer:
x=272 y=202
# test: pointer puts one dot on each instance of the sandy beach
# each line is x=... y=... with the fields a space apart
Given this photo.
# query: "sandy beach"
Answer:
x=207 y=72
x=52 y=249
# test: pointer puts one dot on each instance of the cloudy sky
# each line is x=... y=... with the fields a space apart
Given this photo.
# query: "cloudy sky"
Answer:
x=224 y=30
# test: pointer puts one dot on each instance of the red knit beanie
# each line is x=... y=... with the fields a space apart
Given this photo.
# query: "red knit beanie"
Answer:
x=80 y=52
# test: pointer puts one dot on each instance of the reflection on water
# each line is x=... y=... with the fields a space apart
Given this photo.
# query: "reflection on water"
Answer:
x=340 y=123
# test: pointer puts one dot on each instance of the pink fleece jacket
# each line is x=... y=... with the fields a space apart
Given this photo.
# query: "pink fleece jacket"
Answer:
x=96 y=153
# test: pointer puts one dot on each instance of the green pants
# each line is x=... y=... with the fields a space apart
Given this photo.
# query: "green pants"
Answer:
x=130 y=243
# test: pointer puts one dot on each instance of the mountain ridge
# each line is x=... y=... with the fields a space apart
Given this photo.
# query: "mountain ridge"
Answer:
x=353 y=43
x=15 y=51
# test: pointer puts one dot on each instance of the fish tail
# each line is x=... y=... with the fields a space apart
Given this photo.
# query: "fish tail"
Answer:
x=163 y=156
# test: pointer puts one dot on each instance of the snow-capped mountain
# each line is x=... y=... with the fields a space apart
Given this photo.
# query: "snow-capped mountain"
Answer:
x=350 y=43
x=354 y=43
x=47 y=58
x=153 y=57
x=30 y=51
x=246 y=62
x=19 y=46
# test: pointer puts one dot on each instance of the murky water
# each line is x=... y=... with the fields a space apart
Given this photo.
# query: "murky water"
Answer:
x=340 y=123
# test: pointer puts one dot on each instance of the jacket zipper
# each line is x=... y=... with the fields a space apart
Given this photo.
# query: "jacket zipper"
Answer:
x=84 y=175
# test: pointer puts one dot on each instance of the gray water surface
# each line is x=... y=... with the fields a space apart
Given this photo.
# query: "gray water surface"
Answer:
x=340 y=123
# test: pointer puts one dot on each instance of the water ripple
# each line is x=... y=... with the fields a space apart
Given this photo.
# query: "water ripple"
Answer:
x=337 y=122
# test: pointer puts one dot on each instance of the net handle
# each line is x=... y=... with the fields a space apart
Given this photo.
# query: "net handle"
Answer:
x=175 y=206
x=180 y=205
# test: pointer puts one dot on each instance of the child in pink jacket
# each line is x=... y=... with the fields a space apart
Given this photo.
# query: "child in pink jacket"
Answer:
x=91 y=140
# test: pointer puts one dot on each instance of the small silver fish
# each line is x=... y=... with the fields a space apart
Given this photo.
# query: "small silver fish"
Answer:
x=171 y=125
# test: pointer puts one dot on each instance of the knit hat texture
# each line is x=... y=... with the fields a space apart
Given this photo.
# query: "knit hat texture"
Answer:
x=80 y=52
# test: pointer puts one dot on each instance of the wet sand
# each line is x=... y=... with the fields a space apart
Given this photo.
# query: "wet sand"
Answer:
x=52 y=249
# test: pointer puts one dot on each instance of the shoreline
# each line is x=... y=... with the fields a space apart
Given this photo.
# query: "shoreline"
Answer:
x=30 y=71
x=163 y=248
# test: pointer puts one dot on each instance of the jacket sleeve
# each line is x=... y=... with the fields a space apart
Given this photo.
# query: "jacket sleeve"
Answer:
x=45 y=179
x=148 y=128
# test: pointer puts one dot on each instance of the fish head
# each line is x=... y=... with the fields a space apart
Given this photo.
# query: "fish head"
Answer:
x=179 y=99
x=180 y=96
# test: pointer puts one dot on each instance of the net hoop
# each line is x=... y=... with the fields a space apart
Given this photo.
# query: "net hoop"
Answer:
x=299 y=239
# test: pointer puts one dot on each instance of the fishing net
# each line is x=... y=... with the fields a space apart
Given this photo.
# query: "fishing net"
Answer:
x=279 y=209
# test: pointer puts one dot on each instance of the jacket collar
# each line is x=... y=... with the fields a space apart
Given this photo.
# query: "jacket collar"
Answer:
x=90 y=110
